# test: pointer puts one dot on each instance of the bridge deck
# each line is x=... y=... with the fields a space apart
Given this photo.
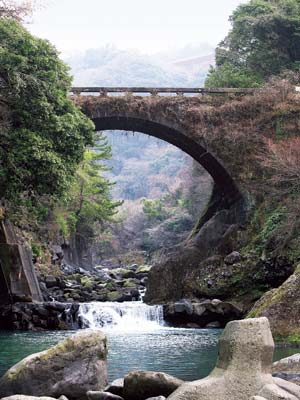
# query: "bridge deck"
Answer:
x=102 y=90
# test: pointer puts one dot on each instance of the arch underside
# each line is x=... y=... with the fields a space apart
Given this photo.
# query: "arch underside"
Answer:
x=225 y=193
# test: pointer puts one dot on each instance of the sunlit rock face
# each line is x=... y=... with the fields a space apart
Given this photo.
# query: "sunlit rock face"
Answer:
x=243 y=369
x=71 y=368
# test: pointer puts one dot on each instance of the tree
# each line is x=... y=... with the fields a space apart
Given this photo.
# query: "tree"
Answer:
x=88 y=205
x=45 y=140
x=15 y=9
x=282 y=160
x=264 y=41
x=228 y=75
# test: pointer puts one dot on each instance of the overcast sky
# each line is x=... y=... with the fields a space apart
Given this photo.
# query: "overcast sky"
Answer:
x=146 y=25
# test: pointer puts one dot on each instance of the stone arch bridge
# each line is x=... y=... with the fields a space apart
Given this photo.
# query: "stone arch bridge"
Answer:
x=221 y=129
x=184 y=121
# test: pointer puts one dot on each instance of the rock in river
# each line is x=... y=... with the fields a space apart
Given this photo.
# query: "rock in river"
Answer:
x=71 y=368
x=102 y=396
x=288 y=368
x=140 y=385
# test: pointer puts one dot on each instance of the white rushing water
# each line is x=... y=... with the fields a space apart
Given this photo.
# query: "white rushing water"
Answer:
x=127 y=316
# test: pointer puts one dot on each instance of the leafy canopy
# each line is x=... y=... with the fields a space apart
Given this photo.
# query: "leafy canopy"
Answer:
x=264 y=41
x=87 y=205
x=47 y=134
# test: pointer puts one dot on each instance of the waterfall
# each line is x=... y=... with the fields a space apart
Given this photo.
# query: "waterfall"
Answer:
x=129 y=316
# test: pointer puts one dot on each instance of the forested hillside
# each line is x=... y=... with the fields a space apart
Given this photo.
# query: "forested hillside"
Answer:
x=164 y=192
x=110 y=66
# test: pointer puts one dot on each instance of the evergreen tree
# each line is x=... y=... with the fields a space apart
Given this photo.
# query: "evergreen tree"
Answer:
x=88 y=203
x=44 y=142
x=264 y=41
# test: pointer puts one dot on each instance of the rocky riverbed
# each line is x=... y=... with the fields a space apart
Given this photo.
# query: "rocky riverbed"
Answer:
x=124 y=283
x=210 y=307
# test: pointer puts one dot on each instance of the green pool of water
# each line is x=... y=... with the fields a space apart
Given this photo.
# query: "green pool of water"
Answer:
x=188 y=354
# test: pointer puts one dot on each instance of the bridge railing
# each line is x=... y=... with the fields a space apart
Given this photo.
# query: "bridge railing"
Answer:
x=104 y=91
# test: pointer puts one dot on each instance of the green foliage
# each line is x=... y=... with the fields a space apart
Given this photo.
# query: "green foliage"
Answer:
x=36 y=250
x=87 y=204
x=182 y=223
x=228 y=75
x=44 y=143
x=265 y=226
x=271 y=224
x=154 y=209
x=62 y=222
x=263 y=41
x=293 y=338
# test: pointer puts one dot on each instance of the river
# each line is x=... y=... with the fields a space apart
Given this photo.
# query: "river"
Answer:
x=137 y=339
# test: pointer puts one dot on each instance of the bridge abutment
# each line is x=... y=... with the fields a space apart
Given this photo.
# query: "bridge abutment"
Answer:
x=18 y=281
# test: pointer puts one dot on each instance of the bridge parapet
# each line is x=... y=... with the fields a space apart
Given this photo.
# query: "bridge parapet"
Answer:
x=104 y=91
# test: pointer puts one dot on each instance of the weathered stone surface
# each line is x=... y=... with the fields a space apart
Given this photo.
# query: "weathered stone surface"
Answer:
x=39 y=316
x=71 y=368
x=209 y=313
x=18 y=281
x=116 y=387
x=189 y=273
x=288 y=368
x=243 y=369
x=282 y=307
x=95 y=395
x=288 y=386
x=143 y=269
x=233 y=258
x=176 y=272
x=139 y=385
x=213 y=325
x=23 y=397
x=157 y=398
x=50 y=281
x=273 y=392
x=257 y=398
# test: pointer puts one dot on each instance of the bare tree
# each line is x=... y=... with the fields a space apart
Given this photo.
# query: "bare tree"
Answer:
x=15 y=9
x=282 y=159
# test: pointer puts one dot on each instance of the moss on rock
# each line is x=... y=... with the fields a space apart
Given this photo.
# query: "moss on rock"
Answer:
x=70 y=368
x=143 y=269
x=282 y=307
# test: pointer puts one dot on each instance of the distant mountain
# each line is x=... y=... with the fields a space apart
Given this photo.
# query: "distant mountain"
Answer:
x=109 y=66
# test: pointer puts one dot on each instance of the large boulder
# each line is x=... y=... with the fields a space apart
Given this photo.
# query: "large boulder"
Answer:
x=282 y=307
x=188 y=274
x=139 y=385
x=71 y=368
x=243 y=369
x=288 y=368
x=204 y=314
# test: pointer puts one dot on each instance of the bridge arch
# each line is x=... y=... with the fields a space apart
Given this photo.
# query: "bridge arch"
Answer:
x=225 y=189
